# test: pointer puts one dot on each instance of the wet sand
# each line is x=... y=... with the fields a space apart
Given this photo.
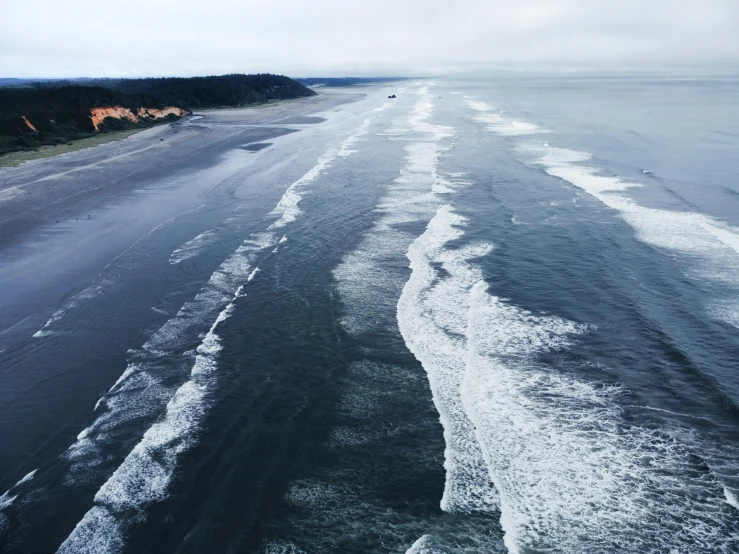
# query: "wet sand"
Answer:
x=64 y=219
x=43 y=191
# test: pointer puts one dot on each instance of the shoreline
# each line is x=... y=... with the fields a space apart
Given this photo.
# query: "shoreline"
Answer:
x=62 y=182
x=64 y=218
x=15 y=159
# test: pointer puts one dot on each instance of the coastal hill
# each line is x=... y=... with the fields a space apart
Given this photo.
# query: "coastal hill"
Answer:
x=58 y=112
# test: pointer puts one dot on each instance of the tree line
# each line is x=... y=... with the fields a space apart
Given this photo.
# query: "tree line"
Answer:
x=60 y=111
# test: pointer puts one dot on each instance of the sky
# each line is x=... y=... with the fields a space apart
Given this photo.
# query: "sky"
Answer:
x=301 y=38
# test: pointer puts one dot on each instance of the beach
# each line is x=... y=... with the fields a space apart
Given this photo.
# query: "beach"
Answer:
x=483 y=316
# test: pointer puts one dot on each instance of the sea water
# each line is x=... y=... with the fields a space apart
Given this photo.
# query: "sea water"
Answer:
x=491 y=315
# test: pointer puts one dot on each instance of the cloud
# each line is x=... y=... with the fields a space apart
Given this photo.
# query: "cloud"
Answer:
x=332 y=37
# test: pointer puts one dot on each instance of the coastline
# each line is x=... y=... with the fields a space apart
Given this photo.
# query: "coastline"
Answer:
x=70 y=215
x=59 y=182
x=14 y=159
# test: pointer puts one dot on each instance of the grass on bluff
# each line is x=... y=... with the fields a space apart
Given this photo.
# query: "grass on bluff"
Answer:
x=16 y=158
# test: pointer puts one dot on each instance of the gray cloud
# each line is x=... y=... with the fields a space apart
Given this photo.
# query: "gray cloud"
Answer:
x=336 y=37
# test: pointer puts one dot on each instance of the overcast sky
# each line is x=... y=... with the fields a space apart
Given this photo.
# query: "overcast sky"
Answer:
x=69 y=38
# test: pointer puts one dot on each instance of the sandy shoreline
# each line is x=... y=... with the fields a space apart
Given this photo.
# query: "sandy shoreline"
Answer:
x=64 y=219
x=13 y=159
x=48 y=189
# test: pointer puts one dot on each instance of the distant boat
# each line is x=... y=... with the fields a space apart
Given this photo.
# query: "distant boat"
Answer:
x=392 y=96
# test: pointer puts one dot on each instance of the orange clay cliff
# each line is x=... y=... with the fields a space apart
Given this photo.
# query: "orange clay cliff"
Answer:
x=30 y=126
x=119 y=112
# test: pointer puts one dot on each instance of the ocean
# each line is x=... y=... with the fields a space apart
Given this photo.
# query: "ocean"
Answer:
x=490 y=315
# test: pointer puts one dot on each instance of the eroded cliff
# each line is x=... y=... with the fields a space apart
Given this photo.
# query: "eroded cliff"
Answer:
x=98 y=115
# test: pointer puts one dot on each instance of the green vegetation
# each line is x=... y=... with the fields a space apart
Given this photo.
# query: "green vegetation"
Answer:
x=60 y=111
x=59 y=115
x=212 y=92
x=16 y=158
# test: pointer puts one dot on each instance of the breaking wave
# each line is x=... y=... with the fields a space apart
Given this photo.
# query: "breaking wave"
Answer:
x=499 y=124
x=145 y=475
x=695 y=235
x=433 y=325
x=567 y=468
x=193 y=247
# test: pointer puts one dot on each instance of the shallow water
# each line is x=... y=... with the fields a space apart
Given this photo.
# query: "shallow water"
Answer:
x=487 y=316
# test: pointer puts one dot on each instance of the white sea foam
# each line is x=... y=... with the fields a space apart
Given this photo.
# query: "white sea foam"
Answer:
x=30 y=475
x=6 y=500
x=688 y=232
x=140 y=390
x=98 y=533
x=695 y=235
x=145 y=474
x=363 y=276
x=515 y=128
x=369 y=278
x=364 y=280
x=287 y=208
x=726 y=310
x=433 y=324
x=350 y=436
x=281 y=547
x=423 y=546
x=193 y=247
x=499 y=124
x=90 y=292
x=353 y=138
x=311 y=493
x=731 y=498
x=502 y=126
x=478 y=105
x=568 y=469
x=359 y=403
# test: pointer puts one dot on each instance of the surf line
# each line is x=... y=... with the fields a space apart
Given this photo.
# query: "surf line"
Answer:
x=99 y=283
x=686 y=232
x=416 y=195
x=692 y=234
x=426 y=317
x=145 y=474
x=467 y=487
x=556 y=448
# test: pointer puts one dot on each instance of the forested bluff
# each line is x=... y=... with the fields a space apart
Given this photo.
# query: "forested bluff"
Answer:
x=57 y=112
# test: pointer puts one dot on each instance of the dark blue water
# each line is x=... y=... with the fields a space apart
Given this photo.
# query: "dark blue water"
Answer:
x=488 y=316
